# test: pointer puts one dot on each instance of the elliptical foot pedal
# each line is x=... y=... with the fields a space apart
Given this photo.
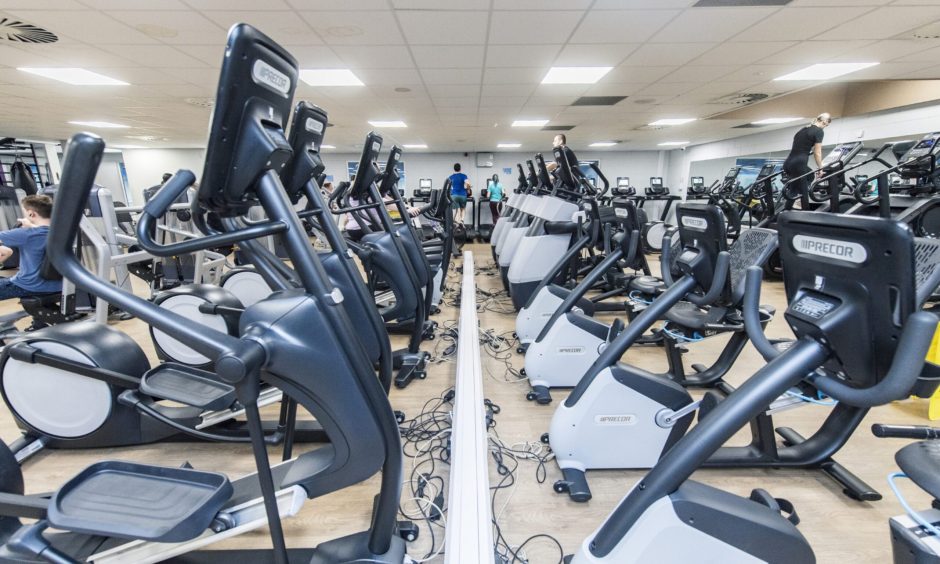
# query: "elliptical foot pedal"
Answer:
x=574 y=484
x=139 y=501
x=187 y=385
x=540 y=395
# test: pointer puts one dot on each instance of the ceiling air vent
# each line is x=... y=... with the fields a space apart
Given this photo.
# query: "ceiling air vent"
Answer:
x=931 y=31
x=598 y=100
x=738 y=3
x=201 y=102
x=558 y=128
x=14 y=30
x=740 y=99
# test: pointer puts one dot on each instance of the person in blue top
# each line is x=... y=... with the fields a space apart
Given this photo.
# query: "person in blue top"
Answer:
x=496 y=197
x=30 y=240
x=459 y=190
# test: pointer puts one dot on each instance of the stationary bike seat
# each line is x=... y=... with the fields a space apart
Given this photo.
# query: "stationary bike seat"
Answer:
x=649 y=285
x=921 y=462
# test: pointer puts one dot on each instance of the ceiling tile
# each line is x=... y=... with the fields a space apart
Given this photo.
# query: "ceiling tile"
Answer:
x=369 y=57
x=157 y=56
x=809 y=52
x=599 y=54
x=513 y=102
x=315 y=56
x=794 y=24
x=742 y=53
x=284 y=27
x=521 y=56
x=325 y=5
x=536 y=5
x=389 y=76
x=184 y=27
x=448 y=56
x=85 y=25
x=352 y=28
x=710 y=24
x=632 y=25
x=427 y=27
x=641 y=4
x=441 y=4
x=624 y=74
x=674 y=54
x=223 y=5
x=451 y=90
x=108 y=5
x=513 y=75
x=452 y=76
x=464 y=102
x=532 y=27
x=508 y=89
x=885 y=22
x=695 y=73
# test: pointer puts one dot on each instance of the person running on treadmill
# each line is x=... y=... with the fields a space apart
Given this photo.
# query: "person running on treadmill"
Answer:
x=495 y=197
x=459 y=191
x=561 y=141
x=30 y=239
x=807 y=140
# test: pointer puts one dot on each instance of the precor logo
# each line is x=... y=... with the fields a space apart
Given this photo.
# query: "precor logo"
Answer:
x=314 y=126
x=570 y=350
x=831 y=248
x=269 y=77
x=617 y=419
x=695 y=222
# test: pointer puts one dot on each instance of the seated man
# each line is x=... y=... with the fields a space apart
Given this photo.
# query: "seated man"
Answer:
x=30 y=240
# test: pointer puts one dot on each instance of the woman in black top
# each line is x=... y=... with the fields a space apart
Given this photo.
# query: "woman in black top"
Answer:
x=807 y=140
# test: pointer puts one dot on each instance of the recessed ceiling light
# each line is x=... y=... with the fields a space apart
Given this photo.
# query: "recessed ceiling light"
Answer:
x=672 y=121
x=673 y=143
x=575 y=75
x=604 y=144
x=327 y=146
x=529 y=122
x=100 y=124
x=390 y=123
x=416 y=146
x=508 y=145
x=73 y=75
x=823 y=71
x=775 y=121
x=329 y=77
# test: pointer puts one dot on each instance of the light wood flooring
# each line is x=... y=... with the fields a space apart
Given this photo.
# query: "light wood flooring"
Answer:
x=839 y=529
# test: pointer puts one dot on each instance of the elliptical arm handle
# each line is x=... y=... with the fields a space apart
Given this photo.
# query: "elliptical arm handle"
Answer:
x=901 y=377
x=665 y=257
x=83 y=156
x=175 y=187
x=604 y=181
x=719 y=278
x=750 y=309
x=918 y=432
x=634 y=245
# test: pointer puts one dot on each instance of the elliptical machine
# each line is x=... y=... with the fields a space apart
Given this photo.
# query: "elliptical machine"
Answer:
x=838 y=270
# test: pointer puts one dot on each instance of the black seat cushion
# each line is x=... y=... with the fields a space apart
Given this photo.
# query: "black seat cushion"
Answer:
x=921 y=462
x=647 y=285
x=692 y=317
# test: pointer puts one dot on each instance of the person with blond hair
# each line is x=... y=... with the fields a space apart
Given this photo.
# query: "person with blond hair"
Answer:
x=808 y=140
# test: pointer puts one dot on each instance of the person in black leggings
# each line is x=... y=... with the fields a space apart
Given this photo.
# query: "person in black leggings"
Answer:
x=806 y=141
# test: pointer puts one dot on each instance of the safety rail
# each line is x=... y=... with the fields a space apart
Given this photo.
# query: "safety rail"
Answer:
x=469 y=527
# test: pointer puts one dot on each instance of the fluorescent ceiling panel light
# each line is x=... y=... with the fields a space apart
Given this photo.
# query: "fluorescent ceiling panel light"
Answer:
x=74 y=75
x=575 y=75
x=327 y=146
x=673 y=143
x=100 y=124
x=508 y=145
x=390 y=123
x=415 y=146
x=823 y=71
x=603 y=144
x=775 y=121
x=529 y=122
x=329 y=77
x=672 y=121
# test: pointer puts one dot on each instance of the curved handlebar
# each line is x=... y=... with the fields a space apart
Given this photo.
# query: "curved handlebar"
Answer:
x=665 y=257
x=719 y=278
x=750 y=310
x=603 y=178
x=175 y=187
x=901 y=377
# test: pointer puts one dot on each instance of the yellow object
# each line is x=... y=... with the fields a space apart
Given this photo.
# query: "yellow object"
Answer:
x=933 y=357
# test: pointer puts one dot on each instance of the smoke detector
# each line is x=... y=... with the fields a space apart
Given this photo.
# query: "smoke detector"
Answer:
x=740 y=99
x=17 y=31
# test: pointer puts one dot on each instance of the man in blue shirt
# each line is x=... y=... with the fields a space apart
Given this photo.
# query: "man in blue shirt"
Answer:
x=30 y=239
x=459 y=187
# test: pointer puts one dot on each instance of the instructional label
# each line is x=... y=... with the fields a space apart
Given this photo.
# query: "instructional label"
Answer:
x=813 y=307
x=831 y=248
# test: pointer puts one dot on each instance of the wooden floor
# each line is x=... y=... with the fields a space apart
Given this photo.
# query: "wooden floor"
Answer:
x=839 y=529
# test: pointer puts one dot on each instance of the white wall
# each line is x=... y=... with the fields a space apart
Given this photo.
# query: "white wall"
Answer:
x=911 y=123
x=145 y=167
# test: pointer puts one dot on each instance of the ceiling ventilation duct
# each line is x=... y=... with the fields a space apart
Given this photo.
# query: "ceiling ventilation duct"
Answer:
x=16 y=31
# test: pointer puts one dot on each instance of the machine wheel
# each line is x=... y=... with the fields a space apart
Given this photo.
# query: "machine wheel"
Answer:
x=560 y=486
x=530 y=396
x=520 y=350
x=399 y=416
x=544 y=438
x=522 y=372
